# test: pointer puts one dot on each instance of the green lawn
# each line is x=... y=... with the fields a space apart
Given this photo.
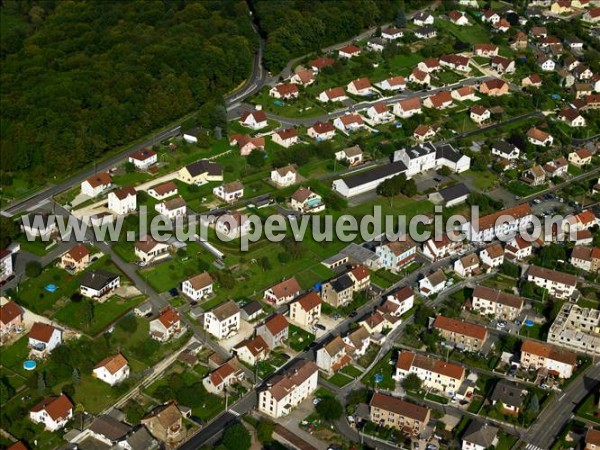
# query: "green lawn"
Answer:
x=36 y=247
x=96 y=395
x=384 y=368
x=535 y=332
x=588 y=409
x=524 y=190
x=351 y=371
x=482 y=181
x=299 y=339
x=473 y=34
x=340 y=380
x=384 y=278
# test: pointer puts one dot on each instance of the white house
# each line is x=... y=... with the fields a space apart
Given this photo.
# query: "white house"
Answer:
x=433 y=283
x=398 y=303
x=502 y=223
x=397 y=254
x=361 y=86
x=164 y=190
x=98 y=284
x=225 y=375
x=518 y=248
x=479 y=114
x=52 y=412
x=229 y=192
x=539 y=137
x=546 y=63
x=393 y=84
x=352 y=155
x=148 y=250
x=285 y=91
x=438 y=375
x=502 y=305
x=429 y=65
x=144 y=158
x=348 y=51
x=122 y=201
x=392 y=33
x=423 y=18
x=559 y=284
x=480 y=436
x=284 y=176
x=417 y=76
x=282 y=292
x=252 y=350
x=335 y=94
x=442 y=247
x=502 y=65
x=332 y=356
x=233 y=224
x=166 y=326
x=6 y=264
x=467 y=266
x=171 y=209
x=306 y=201
x=303 y=76
x=198 y=287
x=286 y=137
x=538 y=355
x=505 y=150
x=96 y=184
x=427 y=156
x=349 y=122
x=255 y=119
x=572 y=117
x=322 y=131
x=43 y=338
x=379 y=113
x=112 y=369
x=223 y=321
x=492 y=255
x=408 y=107
x=458 y=18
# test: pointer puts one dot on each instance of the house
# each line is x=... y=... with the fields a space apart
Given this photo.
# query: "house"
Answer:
x=423 y=18
x=198 y=287
x=490 y=16
x=376 y=44
x=423 y=157
x=424 y=133
x=519 y=41
x=437 y=375
x=223 y=321
x=582 y=90
x=361 y=86
x=467 y=266
x=437 y=248
x=574 y=43
x=392 y=33
x=335 y=94
x=166 y=325
x=148 y=250
x=348 y=51
x=557 y=167
x=502 y=26
x=581 y=157
x=379 y=113
x=518 y=248
x=592 y=437
x=283 y=292
x=480 y=436
x=417 y=76
x=558 y=284
x=485 y=50
x=398 y=254
x=510 y=395
x=122 y=201
x=144 y=158
x=433 y=283
x=322 y=131
x=349 y=122
x=494 y=88
x=284 y=91
x=429 y=65
x=107 y=430
x=251 y=311
x=479 y=114
x=455 y=62
x=440 y=100
x=492 y=255
x=450 y=196
x=592 y=15
x=43 y=338
x=426 y=33
x=171 y=209
x=465 y=335
x=367 y=180
x=284 y=176
x=502 y=65
x=306 y=201
x=162 y=191
x=11 y=318
x=254 y=119
x=357 y=342
x=458 y=18
x=505 y=150
x=165 y=423
x=353 y=156
x=6 y=264
x=533 y=80
x=303 y=76
x=320 y=63
x=229 y=192
x=582 y=221
x=561 y=7
x=98 y=283
x=488 y=227
x=76 y=259
x=397 y=83
x=219 y=379
x=464 y=93
x=339 y=290
x=393 y=412
x=112 y=369
x=539 y=137
x=586 y=258
x=284 y=392
x=286 y=137
x=96 y=184
x=398 y=303
x=546 y=63
x=408 y=107
x=252 y=350
x=233 y=224
x=557 y=361
x=332 y=356
x=201 y=172
x=488 y=301
x=52 y=412
x=306 y=310
x=246 y=143
x=534 y=176
x=572 y=117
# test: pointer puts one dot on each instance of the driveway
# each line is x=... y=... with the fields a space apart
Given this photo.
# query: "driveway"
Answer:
x=298 y=414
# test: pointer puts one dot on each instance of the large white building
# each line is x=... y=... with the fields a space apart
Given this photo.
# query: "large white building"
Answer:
x=223 y=321
x=576 y=328
x=284 y=392
x=368 y=180
x=427 y=156
x=439 y=375
x=503 y=223
x=558 y=284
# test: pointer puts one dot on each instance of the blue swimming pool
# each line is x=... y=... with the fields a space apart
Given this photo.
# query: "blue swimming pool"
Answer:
x=29 y=364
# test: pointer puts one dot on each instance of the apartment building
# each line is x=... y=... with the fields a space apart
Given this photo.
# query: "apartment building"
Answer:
x=577 y=329
x=557 y=361
x=306 y=310
x=464 y=335
x=284 y=392
x=393 y=412
x=223 y=321
x=397 y=254
x=558 y=284
x=497 y=303
x=435 y=374
x=503 y=223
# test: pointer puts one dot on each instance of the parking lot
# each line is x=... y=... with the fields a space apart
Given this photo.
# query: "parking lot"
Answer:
x=550 y=204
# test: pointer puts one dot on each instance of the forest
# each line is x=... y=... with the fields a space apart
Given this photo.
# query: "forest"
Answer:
x=81 y=78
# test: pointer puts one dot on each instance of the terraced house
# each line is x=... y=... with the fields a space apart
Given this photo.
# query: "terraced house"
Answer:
x=465 y=335
x=435 y=374
x=388 y=411
x=500 y=304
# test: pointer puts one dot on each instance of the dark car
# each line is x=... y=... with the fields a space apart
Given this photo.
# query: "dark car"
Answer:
x=353 y=314
x=174 y=292
x=320 y=327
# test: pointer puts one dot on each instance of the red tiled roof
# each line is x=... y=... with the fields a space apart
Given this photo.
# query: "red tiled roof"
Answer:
x=125 y=192
x=276 y=324
x=41 y=332
x=410 y=104
x=286 y=288
x=361 y=83
x=440 y=98
x=287 y=133
x=221 y=374
x=536 y=133
x=335 y=92
x=78 y=252
x=497 y=296
x=516 y=212
x=321 y=62
x=143 y=155
x=310 y=301
x=360 y=272
x=201 y=281
x=164 y=188
x=399 y=406
x=549 y=351
x=255 y=345
x=286 y=89
x=9 y=311
x=408 y=359
x=350 y=49
x=113 y=363
x=459 y=327
x=323 y=127
x=169 y=317
x=552 y=275
x=396 y=81
x=100 y=179
x=56 y=407
x=349 y=119
x=259 y=116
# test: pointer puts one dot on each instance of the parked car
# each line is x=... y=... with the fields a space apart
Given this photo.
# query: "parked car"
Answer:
x=174 y=292
x=320 y=327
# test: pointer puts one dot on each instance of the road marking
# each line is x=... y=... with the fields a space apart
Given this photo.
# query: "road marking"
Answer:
x=235 y=413
x=561 y=397
x=533 y=447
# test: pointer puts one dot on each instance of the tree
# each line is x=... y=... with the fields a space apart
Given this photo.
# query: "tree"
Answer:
x=329 y=409
x=33 y=269
x=41 y=383
x=256 y=158
x=445 y=171
x=400 y=21
x=6 y=391
x=264 y=431
x=75 y=377
x=534 y=404
x=134 y=412
x=128 y=324
x=9 y=230
x=69 y=390
x=422 y=315
x=236 y=437
x=129 y=167
x=284 y=257
x=264 y=263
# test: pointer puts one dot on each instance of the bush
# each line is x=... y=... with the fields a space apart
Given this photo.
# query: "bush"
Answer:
x=128 y=324
x=329 y=409
x=33 y=269
x=236 y=437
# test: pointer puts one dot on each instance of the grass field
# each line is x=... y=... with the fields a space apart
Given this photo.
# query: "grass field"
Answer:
x=483 y=181
x=472 y=34
x=384 y=368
